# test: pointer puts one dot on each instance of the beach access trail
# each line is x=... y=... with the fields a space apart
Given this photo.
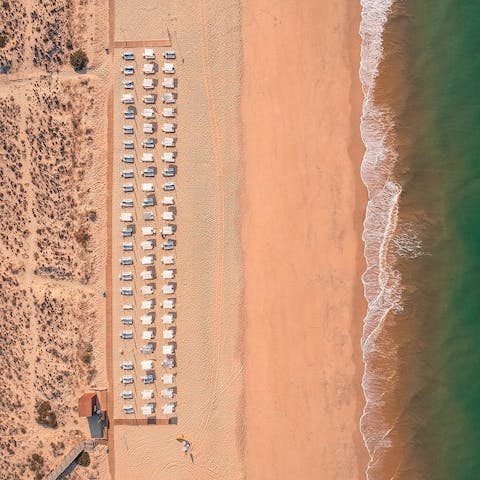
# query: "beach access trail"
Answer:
x=303 y=207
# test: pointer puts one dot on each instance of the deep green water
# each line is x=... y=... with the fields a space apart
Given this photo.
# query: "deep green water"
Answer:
x=440 y=176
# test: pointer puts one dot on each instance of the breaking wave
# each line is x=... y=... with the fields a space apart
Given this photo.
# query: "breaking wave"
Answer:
x=382 y=283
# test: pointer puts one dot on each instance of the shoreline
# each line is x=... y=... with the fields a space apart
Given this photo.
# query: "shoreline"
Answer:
x=276 y=266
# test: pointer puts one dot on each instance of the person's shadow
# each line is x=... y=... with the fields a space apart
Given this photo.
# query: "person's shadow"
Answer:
x=191 y=457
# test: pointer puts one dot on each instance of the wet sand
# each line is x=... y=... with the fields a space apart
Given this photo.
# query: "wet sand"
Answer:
x=303 y=206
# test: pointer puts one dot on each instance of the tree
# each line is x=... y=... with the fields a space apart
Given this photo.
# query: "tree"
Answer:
x=3 y=41
x=79 y=60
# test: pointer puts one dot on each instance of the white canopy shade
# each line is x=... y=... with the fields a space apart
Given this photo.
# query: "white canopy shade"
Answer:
x=168 y=216
x=146 y=319
x=168 y=274
x=169 y=408
x=148 y=409
x=168 y=349
x=148 y=53
x=168 y=303
x=167 y=318
x=146 y=245
x=168 y=334
x=147 y=394
x=147 y=260
x=147 y=275
x=148 y=113
x=168 y=260
x=168 y=289
x=167 y=378
x=147 y=290
x=148 y=335
x=147 y=305
x=147 y=364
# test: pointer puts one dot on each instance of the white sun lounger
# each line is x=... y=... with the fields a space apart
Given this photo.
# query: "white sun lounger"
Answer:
x=126 y=379
x=127 y=394
x=128 y=409
x=126 y=365
x=127 y=306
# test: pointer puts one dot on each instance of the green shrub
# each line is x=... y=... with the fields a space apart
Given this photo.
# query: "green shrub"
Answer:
x=35 y=462
x=3 y=41
x=83 y=459
x=45 y=415
x=79 y=60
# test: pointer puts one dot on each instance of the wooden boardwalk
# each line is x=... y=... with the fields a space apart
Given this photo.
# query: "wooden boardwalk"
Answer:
x=68 y=460
x=145 y=421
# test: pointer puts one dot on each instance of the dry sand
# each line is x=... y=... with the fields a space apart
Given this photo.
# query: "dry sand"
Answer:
x=301 y=233
x=52 y=226
x=206 y=37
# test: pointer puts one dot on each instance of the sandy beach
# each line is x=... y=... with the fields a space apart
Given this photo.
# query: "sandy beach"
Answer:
x=207 y=253
x=269 y=209
x=302 y=205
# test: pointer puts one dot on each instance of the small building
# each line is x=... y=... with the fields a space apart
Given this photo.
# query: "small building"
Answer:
x=87 y=404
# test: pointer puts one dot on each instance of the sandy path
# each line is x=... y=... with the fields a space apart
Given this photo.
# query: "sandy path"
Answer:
x=301 y=234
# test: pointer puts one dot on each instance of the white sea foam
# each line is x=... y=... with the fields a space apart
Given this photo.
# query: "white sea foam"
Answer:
x=382 y=284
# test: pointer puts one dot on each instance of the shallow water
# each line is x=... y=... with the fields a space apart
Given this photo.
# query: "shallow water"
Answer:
x=422 y=233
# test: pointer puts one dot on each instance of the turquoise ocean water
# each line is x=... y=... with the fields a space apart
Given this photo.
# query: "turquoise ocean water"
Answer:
x=421 y=127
